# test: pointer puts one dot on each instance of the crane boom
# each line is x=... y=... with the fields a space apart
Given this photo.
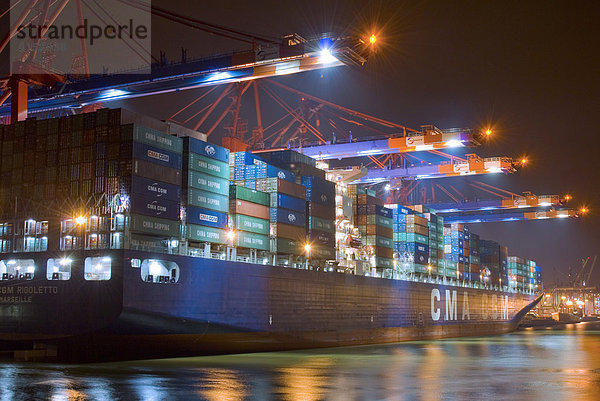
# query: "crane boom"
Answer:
x=507 y=215
x=188 y=74
x=398 y=143
x=438 y=170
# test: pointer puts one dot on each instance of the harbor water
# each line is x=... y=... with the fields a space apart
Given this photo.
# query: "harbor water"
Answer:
x=562 y=363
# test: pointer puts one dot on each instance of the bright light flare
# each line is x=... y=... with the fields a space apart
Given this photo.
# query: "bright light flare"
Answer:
x=454 y=143
x=568 y=197
x=80 y=220
x=488 y=132
x=325 y=57
x=307 y=247
x=372 y=39
x=524 y=161
x=231 y=235
x=583 y=210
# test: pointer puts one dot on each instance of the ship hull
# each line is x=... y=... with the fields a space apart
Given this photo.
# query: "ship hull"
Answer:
x=218 y=306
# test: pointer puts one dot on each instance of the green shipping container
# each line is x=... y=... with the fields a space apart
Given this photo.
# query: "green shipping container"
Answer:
x=321 y=252
x=250 y=224
x=207 y=182
x=286 y=246
x=384 y=242
x=148 y=243
x=207 y=165
x=153 y=225
x=252 y=241
x=249 y=195
x=384 y=263
x=156 y=138
x=384 y=221
x=208 y=200
x=413 y=237
x=206 y=234
x=320 y=224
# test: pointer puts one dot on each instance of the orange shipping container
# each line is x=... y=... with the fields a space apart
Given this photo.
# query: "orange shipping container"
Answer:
x=373 y=229
x=249 y=209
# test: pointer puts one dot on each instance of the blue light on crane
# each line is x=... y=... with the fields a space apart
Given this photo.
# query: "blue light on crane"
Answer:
x=218 y=76
x=113 y=94
x=325 y=56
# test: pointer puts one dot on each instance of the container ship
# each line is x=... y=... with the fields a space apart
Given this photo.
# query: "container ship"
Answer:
x=123 y=236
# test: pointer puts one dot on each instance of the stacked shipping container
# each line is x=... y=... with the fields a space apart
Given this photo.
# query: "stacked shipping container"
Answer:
x=320 y=212
x=285 y=200
x=375 y=225
x=206 y=191
x=411 y=240
x=154 y=186
x=456 y=249
x=249 y=216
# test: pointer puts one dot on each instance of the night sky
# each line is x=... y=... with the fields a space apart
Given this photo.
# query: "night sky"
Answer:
x=531 y=69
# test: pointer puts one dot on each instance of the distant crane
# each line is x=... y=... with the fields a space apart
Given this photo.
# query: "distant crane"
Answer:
x=579 y=280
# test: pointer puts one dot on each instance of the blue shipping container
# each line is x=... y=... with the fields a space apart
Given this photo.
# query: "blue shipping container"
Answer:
x=155 y=155
x=246 y=159
x=155 y=207
x=205 y=217
x=206 y=149
x=288 y=217
x=250 y=172
x=319 y=191
x=290 y=202
x=383 y=211
x=155 y=189
x=421 y=258
x=269 y=171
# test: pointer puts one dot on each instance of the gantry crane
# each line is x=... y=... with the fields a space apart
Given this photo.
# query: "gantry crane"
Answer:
x=457 y=167
x=292 y=55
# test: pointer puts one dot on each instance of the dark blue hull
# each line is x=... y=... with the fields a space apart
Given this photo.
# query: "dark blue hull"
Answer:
x=219 y=306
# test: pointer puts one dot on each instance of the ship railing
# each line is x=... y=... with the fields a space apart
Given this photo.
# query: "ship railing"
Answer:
x=396 y=275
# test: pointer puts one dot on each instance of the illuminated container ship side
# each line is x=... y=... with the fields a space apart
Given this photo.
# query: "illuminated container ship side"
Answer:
x=114 y=282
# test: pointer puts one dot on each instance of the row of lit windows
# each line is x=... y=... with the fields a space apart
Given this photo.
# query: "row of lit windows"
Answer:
x=95 y=269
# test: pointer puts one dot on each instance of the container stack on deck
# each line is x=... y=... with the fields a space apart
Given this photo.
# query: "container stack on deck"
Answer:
x=206 y=193
x=489 y=257
x=375 y=224
x=517 y=268
x=319 y=201
x=474 y=269
x=455 y=246
x=155 y=191
x=133 y=178
x=287 y=214
x=436 y=243
x=249 y=217
x=320 y=210
x=411 y=240
x=435 y=239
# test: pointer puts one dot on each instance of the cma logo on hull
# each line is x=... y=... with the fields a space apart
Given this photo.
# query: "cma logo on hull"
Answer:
x=210 y=150
x=291 y=217
x=489 y=308
x=281 y=175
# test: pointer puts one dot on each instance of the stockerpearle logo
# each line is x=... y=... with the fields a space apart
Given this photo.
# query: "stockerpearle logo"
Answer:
x=98 y=37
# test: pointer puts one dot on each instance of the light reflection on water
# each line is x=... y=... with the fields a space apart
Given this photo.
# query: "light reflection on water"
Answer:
x=530 y=365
